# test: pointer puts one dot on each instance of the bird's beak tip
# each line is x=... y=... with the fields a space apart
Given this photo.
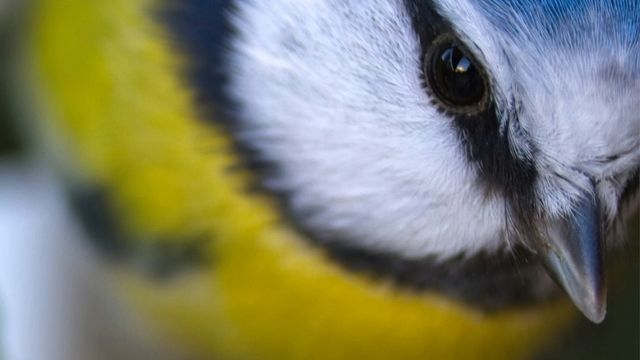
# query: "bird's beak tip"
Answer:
x=586 y=289
x=595 y=309
x=573 y=255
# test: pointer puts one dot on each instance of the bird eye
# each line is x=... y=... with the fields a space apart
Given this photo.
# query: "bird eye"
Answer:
x=454 y=77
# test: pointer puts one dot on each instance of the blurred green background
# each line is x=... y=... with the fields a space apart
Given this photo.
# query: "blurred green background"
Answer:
x=617 y=338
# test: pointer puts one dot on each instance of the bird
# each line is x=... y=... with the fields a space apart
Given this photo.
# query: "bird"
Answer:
x=334 y=179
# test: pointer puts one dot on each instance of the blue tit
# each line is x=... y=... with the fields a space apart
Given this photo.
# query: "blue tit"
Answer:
x=331 y=179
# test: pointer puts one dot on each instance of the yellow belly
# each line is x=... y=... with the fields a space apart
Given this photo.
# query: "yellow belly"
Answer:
x=120 y=116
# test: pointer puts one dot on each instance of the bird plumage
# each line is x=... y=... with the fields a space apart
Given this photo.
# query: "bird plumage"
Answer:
x=329 y=104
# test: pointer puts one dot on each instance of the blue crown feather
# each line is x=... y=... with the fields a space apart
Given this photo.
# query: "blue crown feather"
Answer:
x=567 y=22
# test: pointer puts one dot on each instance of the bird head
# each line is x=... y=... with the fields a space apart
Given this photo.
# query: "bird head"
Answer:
x=445 y=129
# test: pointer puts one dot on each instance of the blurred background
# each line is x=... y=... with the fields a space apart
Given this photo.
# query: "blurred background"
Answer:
x=617 y=338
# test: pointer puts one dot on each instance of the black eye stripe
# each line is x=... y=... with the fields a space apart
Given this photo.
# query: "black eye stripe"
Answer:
x=436 y=34
x=485 y=129
x=427 y=23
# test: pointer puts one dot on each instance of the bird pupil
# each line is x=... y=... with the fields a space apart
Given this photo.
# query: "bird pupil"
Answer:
x=454 y=78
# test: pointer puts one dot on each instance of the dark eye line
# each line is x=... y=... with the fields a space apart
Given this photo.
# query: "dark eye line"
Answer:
x=481 y=132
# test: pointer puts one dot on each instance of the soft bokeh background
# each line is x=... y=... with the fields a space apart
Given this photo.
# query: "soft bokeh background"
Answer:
x=617 y=338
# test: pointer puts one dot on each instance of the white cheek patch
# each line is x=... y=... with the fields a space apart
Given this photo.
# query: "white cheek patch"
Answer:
x=330 y=91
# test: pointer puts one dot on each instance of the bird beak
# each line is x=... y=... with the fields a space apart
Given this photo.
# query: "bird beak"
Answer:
x=573 y=255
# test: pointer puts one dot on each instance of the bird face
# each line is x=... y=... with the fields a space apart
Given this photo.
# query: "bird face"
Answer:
x=440 y=130
x=464 y=149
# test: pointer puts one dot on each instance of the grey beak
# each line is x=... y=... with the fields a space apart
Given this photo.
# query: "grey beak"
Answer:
x=573 y=255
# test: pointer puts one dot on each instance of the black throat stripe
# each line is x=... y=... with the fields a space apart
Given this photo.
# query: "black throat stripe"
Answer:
x=489 y=282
